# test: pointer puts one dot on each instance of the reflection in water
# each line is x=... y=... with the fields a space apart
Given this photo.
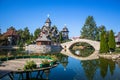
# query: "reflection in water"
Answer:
x=106 y=65
x=73 y=69
x=63 y=59
x=64 y=62
x=47 y=72
x=82 y=49
x=83 y=52
x=90 y=68
x=77 y=52
x=12 y=52
x=118 y=62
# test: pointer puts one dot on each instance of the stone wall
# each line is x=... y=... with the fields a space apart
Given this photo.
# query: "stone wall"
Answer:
x=33 y=48
x=38 y=48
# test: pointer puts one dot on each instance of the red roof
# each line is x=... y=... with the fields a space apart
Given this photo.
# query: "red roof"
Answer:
x=10 y=32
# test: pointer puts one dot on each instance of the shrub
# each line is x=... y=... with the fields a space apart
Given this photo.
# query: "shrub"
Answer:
x=30 y=65
x=45 y=62
x=111 y=41
x=54 y=58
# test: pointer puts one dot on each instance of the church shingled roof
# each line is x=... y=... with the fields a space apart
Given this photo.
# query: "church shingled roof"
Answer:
x=48 y=20
x=11 y=32
x=43 y=38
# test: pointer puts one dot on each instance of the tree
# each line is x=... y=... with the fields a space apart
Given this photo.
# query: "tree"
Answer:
x=103 y=65
x=26 y=34
x=100 y=29
x=36 y=33
x=106 y=49
x=111 y=41
x=11 y=28
x=54 y=34
x=20 y=40
x=89 y=30
x=90 y=67
x=60 y=37
x=97 y=38
x=104 y=43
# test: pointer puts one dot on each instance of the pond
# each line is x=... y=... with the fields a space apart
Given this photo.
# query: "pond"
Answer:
x=73 y=69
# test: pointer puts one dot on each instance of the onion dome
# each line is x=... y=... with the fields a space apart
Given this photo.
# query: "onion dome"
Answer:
x=65 y=29
x=48 y=20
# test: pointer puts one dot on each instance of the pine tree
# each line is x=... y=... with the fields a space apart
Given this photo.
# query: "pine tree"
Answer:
x=111 y=42
x=106 y=49
x=104 y=43
x=89 y=30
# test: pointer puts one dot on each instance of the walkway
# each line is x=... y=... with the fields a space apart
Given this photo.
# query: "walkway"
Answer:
x=16 y=66
x=95 y=44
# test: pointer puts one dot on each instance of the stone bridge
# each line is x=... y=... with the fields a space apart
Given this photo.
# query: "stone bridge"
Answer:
x=67 y=45
x=95 y=44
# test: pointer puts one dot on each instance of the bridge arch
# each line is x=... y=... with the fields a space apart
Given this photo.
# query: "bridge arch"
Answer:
x=94 y=44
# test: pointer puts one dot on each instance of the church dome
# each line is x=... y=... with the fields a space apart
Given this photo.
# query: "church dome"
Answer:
x=65 y=29
x=48 y=20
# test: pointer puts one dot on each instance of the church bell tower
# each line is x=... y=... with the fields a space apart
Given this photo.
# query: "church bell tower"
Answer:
x=48 y=22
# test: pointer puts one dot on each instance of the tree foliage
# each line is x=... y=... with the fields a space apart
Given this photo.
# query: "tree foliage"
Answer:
x=60 y=37
x=11 y=28
x=30 y=65
x=25 y=36
x=107 y=42
x=105 y=65
x=89 y=30
x=102 y=28
x=111 y=41
x=36 y=33
x=90 y=68
x=104 y=43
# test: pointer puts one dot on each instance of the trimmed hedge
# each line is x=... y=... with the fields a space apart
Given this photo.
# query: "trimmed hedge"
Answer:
x=20 y=57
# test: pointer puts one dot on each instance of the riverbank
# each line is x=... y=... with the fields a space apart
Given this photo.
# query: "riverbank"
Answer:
x=110 y=56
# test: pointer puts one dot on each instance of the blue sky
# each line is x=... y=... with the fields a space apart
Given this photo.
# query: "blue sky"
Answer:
x=73 y=13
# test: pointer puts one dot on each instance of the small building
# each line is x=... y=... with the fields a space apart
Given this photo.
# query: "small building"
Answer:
x=117 y=38
x=65 y=33
x=43 y=45
x=12 y=36
x=43 y=39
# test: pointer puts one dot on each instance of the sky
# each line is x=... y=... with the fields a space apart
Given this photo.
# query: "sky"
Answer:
x=73 y=13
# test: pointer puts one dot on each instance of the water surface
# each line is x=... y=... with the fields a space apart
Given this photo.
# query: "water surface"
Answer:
x=73 y=69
